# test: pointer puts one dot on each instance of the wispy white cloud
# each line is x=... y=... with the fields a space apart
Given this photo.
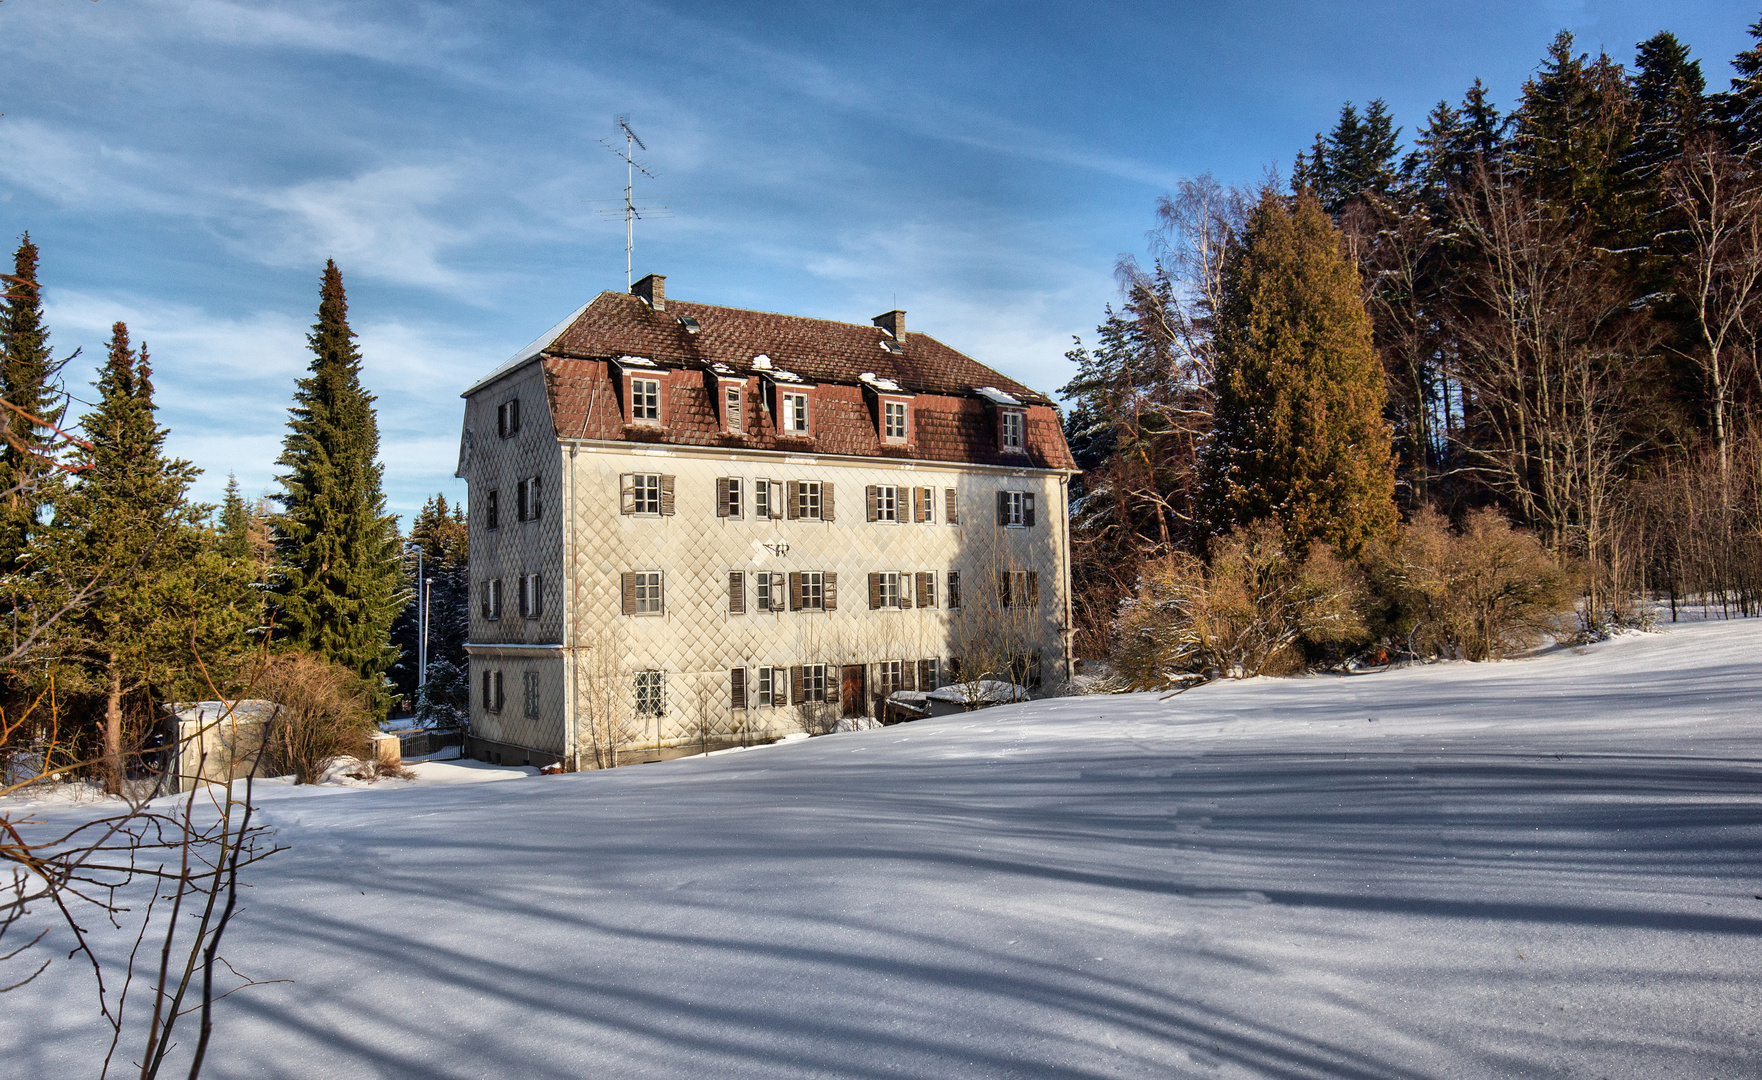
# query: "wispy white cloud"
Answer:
x=387 y=223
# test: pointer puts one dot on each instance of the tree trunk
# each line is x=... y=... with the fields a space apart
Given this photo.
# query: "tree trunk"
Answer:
x=113 y=765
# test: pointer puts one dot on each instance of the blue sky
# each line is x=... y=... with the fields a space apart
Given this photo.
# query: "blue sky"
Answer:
x=188 y=165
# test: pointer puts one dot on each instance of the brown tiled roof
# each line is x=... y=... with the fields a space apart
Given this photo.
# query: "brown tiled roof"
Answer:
x=950 y=423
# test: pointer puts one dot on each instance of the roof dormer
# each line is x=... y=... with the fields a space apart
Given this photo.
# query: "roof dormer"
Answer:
x=890 y=406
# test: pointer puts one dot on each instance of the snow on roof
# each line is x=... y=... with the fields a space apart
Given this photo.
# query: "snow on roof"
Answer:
x=538 y=345
x=761 y=362
x=722 y=369
x=880 y=383
x=637 y=361
x=996 y=396
x=983 y=692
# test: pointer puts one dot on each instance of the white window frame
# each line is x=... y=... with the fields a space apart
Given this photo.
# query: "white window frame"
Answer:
x=735 y=505
x=532 y=603
x=767 y=687
x=794 y=410
x=1012 y=429
x=492 y=600
x=1013 y=515
x=887 y=502
x=508 y=418
x=807 y=495
x=813 y=683
x=890 y=586
x=892 y=411
x=651 y=592
x=650 y=689
x=645 y=399
x=815 y=580
x=768 y=498
x=645 y=497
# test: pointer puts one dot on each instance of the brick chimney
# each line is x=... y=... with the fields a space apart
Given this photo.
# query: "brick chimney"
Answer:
x=894 y=323
x=652 y=289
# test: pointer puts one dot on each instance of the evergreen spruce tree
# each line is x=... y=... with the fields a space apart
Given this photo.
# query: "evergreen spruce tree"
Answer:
x=27 y=377
x=1739 y=109
x=126 y=524
x=1298 y=434
x=1572 y=140
x=341 y=584
x=1672 y=97
x=234 y=541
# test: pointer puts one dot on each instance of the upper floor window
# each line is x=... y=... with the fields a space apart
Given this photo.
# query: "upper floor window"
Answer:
x=490 y=599
x=954 y=588
x=1010 y=430
x=491 y=511
x=1015 y=508
x=807 y=591
x=768 y=591
x=646 y=493
x=883 y=502
x=1018 y=588
x=532 y=597
x=767 y=499
x=508 y=418
x=893 y=421
x=889 y=589
x=810 y=500
x=731 y=408
x=795 y=413
x=728 y=500
x=526 y=499
x=923 y=504
x=645 y=401
x=644 y=593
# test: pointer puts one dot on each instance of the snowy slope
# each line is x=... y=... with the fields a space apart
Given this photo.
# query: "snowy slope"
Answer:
x=1545 y=868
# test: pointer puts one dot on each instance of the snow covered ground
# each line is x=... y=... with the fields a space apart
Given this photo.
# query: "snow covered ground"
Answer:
x=1544 y=868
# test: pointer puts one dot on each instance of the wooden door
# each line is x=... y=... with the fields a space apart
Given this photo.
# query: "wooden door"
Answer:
x=851 y=690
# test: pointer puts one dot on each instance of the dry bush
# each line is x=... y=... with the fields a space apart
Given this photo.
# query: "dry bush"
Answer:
x=1253 y=610
x=322 y=715
x=1485 y=592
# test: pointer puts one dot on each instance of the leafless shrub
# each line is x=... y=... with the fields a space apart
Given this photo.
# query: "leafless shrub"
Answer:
x=322 y=715
x=1485 y=592
x=1250 y=611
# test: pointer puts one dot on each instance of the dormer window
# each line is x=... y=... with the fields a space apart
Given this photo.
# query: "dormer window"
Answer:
x=1010 y=429
x=645 y=401
x=795 y=411
x=731 y=411
x=893 y=421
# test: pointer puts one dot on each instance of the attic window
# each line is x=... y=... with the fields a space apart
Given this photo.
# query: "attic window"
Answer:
x=690 y=324
x=892 y=346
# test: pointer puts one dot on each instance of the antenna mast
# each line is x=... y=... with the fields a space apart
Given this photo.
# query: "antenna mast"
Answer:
x=631 y=210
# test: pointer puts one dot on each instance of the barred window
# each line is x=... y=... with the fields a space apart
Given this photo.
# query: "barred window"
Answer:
x=651 y=693
x=530 y=693
x=645 y=401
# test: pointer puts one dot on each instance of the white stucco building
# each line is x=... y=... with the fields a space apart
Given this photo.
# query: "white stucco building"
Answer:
x=694 y=525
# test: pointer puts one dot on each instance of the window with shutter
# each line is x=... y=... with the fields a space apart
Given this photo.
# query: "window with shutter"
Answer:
x=794 y=502
x=731 y=408
x=826 y=505
x=490 y=515
x=905 y=588
x=666 y=496
x=1002 y=508
x=926 y=590
x=795 y=590
x=796 y=689
x=1028 y=509
x=508 y=418
x=488 y=689
x=737 y=688
x=1003 y=593
x=908 y=675
x=627 y=493
x=829 y=590
x=950 y=509
x=954 y=589
x=873 y=494
x=627 y=584
x=927 y=673
x=874 y=591
x=1033 y=588
x=736 y=592
x=647 y=493
x=769 y=693
x=721 y=496
x=650 y=599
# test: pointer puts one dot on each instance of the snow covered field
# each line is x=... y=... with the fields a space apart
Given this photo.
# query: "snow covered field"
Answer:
x=1544 y=868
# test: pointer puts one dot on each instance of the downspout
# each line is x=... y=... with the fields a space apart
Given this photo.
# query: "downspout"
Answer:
x=571 y=658
x=1064 y=498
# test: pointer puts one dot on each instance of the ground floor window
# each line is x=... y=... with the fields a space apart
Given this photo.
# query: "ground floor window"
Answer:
x=530 y=692
x=810 y=683
x=651 y=693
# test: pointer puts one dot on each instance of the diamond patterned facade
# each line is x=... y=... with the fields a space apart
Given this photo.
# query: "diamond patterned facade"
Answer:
x=576 y=664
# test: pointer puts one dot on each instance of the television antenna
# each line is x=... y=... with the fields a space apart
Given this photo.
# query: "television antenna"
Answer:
x=631 y=211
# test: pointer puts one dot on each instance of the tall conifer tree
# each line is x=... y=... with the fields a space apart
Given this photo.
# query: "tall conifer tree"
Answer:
x=1298 y=433
x=27 y=376
x=341 y=584
x=126 y=524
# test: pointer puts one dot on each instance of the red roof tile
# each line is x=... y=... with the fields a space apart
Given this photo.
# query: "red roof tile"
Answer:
x=951 y=424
